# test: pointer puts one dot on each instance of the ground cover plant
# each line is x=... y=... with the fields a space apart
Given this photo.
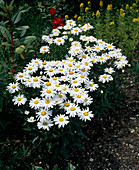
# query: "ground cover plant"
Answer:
x=64 y=80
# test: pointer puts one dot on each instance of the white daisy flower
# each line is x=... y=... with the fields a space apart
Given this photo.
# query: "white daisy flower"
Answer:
x=35 y=82
x=35 y=103
x=85 y=115
x=31 y=119
x=59 y=41
x=19 y=99
x=43 y=114
x=61 y=120
x=70 y=23
x=13 y=87
x=87 y=101
x=76 y=31
x=105 y=78
x=91 y=85
x=109 y=70
x=45 y=124
x=44 y=49
x=73 y=110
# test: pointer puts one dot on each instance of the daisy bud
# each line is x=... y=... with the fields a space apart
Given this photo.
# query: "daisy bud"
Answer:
x=123 y=71
x=41 y=72
x=71 y=39
x=26 y=112
x=101 y=92
x=129 y=65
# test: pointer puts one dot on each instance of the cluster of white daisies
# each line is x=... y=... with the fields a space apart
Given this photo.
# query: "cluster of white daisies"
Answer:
x=65 y=84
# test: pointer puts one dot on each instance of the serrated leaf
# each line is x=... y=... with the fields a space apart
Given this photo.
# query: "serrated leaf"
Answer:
x=5 y=33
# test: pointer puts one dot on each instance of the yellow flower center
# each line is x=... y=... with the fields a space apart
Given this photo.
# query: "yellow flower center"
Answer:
x=60 y=69
x=107 y=55
x=100 y=42
x=50 y=70
x=88 y=26
x=57 y=85
x=44 y=48
x=72 y=108
x=70 y=65
x=101 y=58
x=121 y=58
x=61 y=119
x=48 y=91
x=29 y=68
x=74 y=81
x=45 y=124
x=19 y=99
x=13 y=87
x=86 y=99
x=88 y=48
x=123 y=64
x=60 y=95
x=93 y=60
x=77 y=50
x=44 y=63
x=36 y=61
x=82 y=76
x=85 y=113
x=78 y=66
x=97 y=48
x=108 y=71
x=54 y=78
x=48 y=84
x=70 y=21
x=71 y=72
x=76 y=29
x=109 y=46
x=43 y=113
x=35 y=79
x=78 y=96
x=65 y=89
x=86 y=63
x=83 y=70
x=104 y=77
x=21 y=75
x=59 y=40
x=76 y=44
x=113 y=53
x=91 y=85
x=36 y=102
x=47 y=101
x=55 y=30
x=83 y=56
x=76 y=89
x=66 y=104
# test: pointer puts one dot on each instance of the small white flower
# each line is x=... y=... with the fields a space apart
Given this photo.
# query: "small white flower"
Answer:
x=31 y=119
x=61 y=120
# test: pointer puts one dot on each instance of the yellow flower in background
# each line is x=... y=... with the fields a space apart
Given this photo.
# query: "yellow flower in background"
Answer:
x=81 y=5
x=86 y=9
x=109 y=7
x=101 y=4
x=121 y=10
x=93 y=14
x=112 y=23
x=122 y=14
x=134 y=20
x=79 y=18
x=137 y=10
x=75 y=16
x=89 y=2
x=134 y=4
x=127 y=6
x=66 y=17
x=97 y=13
x=131 y=7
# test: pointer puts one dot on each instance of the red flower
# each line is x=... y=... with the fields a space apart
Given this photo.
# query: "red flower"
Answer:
x=61 y=24
x=54 y=27
x=52 y=11
x=59 y=19
x=13 y=70
x=55 y=22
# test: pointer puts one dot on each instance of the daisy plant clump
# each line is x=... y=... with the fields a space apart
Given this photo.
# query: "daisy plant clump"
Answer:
x=58 y=92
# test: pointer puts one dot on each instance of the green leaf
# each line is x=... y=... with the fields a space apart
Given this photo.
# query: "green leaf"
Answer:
x=28 y=39
x=6 y=44
x=18 y=18
x=33 y=141
x=4 y=31
x=22 y=27
x=3 y=14
x=71 y=167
